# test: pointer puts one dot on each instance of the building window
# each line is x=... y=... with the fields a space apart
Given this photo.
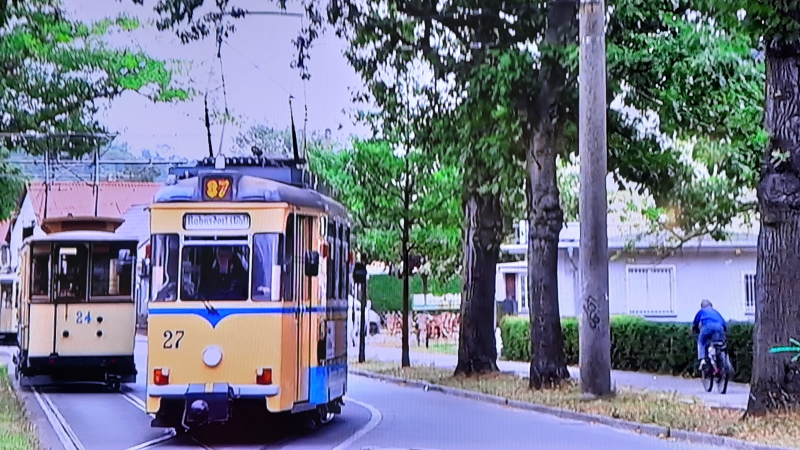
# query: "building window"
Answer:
x=523 y=307
x=651 y=290
x=749 y=293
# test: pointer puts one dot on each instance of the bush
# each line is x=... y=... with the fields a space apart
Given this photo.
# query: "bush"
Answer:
x=639 y=345
x=386 y=291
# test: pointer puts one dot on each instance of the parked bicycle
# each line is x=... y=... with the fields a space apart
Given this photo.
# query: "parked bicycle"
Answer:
x=718 y=367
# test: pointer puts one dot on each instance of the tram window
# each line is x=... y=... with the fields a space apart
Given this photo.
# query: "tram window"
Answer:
x=215 y=272
x=267 y=267
x=342 y=263
x=6 y=292
x=331 y=275
x=70 y=273
x=112 y=271
x=287 y=280
x=40 y=270
x=164 y=267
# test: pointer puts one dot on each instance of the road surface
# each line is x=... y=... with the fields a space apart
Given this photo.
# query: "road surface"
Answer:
x=377 y=416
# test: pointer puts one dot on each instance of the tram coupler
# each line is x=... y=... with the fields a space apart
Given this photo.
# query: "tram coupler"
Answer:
x=205 y=408
x=114 y=382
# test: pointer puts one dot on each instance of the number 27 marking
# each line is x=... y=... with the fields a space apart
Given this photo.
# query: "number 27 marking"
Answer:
x=177 y=335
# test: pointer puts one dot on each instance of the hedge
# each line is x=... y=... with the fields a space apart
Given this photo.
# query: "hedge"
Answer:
x=639 y=345
x=386 y=291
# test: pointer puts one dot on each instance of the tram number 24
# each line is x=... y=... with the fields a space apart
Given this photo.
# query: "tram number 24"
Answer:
x=172 y=339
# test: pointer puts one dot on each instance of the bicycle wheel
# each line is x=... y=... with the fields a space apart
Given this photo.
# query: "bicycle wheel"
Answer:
x=725 y=373
x=707 y=377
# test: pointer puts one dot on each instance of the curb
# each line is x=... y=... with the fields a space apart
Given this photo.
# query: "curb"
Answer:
x=657 y=431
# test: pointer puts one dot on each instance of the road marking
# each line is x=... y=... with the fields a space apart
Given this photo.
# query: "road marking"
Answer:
x=63 y=431
x=374 y=420
x=197 y=441
x=135 y=401
x=151 y=443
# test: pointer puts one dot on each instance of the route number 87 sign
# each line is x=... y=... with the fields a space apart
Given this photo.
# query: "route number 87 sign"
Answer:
x=217 y=188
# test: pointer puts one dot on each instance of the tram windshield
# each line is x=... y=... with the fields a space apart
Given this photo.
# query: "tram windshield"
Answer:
x=215 y=272
x=110 y=279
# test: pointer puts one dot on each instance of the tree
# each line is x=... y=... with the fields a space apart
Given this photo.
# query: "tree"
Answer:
x=267 y=140
x=403 y=204
x=773 y=27
x=478 y=51
x=42 y=52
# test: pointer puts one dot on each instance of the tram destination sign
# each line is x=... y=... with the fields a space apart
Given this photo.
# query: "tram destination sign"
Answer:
x=197 y=222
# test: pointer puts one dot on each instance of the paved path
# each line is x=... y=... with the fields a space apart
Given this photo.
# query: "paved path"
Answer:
x=736 y=396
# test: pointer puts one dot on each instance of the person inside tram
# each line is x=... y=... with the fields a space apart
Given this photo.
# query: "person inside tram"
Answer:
x=227 y=279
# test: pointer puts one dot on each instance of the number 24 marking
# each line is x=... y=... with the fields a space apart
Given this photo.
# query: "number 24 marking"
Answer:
x=168 y=337
x=80 y=318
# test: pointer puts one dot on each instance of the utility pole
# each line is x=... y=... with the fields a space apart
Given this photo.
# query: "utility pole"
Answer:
x=595 y=333
x=361 y=278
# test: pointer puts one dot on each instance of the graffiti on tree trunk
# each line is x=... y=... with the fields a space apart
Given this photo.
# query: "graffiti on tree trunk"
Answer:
x=795 y=349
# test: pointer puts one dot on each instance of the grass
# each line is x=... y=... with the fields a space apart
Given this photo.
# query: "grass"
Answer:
x=665 y=409
x=439 y=348
x=16 y=432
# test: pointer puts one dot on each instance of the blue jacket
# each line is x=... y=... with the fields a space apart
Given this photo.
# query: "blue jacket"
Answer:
x=709 y=319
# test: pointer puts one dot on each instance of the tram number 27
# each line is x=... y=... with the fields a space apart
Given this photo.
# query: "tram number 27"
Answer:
x=172 y=339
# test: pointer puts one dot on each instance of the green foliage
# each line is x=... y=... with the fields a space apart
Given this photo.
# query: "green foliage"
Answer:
x=386 y=291
x=373 y=182
x=639 y=345
x=53 y=73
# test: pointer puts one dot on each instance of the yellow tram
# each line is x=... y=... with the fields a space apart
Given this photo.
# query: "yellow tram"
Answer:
x=250 y=268
x=77 y=315
x=9 y=303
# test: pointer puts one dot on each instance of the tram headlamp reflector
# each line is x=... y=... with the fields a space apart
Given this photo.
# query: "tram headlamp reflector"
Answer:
x=161 y=377
x=264 y=376
x=212 y=356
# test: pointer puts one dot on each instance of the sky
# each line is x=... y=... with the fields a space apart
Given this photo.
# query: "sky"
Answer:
x=259 y=80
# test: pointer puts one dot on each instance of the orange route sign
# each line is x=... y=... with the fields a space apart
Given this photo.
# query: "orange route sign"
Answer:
x=217 y=188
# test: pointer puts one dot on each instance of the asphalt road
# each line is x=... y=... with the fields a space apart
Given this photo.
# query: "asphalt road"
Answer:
x=376 y=416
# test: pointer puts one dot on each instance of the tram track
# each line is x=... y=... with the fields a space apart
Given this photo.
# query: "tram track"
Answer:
x=63 y=431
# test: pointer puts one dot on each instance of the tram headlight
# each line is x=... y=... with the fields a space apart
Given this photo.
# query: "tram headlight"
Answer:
x=212 y=356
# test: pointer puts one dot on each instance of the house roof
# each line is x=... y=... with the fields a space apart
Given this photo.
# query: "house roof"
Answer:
x=115 y=198
x=622 y=235
x=5 y=229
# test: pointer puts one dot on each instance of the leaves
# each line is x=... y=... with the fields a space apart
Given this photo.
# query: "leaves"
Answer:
x=373 y=181
x=53 y=72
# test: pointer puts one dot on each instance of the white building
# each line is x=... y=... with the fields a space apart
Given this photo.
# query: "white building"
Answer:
x=645 y=284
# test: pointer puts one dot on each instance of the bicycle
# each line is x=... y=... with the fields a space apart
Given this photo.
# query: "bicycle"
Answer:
x=718 y=367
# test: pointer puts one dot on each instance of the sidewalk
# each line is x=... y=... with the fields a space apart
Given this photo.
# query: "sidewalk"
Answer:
x=736 y=397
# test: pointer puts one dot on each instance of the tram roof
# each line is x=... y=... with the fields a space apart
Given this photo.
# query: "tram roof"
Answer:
x=81 y=236
x=250 y=186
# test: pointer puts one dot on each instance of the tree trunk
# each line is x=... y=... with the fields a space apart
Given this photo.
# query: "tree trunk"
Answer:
x=775 y=383
x=405 y=358
x=545 y=217
x=483 y=228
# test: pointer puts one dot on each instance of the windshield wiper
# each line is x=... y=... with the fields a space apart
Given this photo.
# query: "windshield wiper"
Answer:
x=209 y=307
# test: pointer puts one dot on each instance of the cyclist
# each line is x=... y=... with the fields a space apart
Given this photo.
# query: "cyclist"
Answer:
x=709 y=324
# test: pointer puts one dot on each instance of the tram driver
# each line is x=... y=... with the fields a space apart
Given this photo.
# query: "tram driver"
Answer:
x=227 y=279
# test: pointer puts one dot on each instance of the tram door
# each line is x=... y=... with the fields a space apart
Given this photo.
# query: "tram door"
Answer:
x=300 y=237
x=73 y=331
